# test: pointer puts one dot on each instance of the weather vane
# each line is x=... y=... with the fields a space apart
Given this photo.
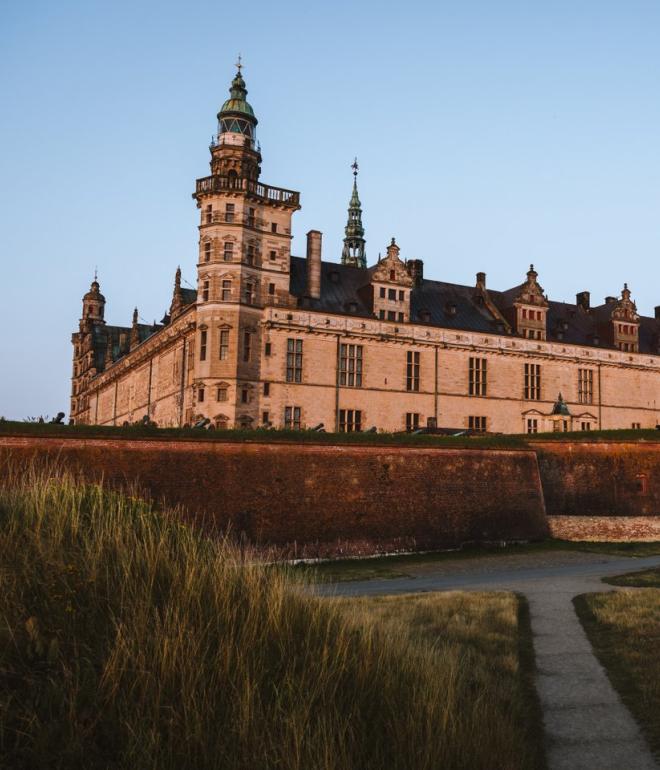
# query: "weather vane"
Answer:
x=355 y=167
x=238 y=63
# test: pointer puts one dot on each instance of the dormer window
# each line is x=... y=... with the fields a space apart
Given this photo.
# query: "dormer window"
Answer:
x=392 y=275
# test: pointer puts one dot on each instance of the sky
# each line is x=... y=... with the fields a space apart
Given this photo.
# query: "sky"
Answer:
x=490 y=135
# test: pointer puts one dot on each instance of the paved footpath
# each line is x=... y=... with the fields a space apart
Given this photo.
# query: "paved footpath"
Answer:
x=587 y=727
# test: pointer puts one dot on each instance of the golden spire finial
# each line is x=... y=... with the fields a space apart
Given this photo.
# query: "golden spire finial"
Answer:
x=239 y=65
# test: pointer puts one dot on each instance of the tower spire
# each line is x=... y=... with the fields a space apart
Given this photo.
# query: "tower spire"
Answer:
x=353 y=252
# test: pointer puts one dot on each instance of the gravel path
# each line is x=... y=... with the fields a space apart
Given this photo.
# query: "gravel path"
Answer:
x=587 y=727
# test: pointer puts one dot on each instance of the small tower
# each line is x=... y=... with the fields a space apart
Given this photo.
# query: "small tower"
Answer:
x=353 y=252
x=177 y=295
x=93 y=304
x=86 y=343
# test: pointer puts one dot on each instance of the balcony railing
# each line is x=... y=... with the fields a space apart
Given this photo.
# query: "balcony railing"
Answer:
x=211 y=184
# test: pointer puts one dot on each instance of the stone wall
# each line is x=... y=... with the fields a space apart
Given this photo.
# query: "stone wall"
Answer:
x=322 y=500
x=606 y=528
x=600 y=479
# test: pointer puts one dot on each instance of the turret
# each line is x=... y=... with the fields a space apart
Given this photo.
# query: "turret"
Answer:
x=353 y=252
x=93 y=304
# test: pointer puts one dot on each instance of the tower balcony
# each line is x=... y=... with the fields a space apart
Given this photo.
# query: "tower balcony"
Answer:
x=263 y=192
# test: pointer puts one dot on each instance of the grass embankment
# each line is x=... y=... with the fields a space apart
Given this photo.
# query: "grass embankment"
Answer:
x=624 y=630
x=128 y=640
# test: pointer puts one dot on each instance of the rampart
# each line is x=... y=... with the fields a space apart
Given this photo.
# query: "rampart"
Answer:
x=321 y=500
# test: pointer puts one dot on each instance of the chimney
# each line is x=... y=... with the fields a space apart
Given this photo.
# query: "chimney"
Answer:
x=657 y=312
x=583 y=299
x=610 y=300
x=313 y=289
x=481 y=280
x=416 y=271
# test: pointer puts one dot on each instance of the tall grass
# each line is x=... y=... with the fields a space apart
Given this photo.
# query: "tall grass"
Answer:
x=128 y=640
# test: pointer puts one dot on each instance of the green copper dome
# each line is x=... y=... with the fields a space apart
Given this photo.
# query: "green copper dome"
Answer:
x=237 y=103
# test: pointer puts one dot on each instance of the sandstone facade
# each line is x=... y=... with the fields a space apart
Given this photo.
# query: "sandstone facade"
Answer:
x=277 y=340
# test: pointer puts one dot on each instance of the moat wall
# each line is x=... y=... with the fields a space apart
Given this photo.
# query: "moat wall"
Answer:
x=317 y=501
x=332 y=500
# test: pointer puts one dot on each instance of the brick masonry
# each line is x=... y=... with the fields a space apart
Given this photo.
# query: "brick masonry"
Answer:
x=322 y=500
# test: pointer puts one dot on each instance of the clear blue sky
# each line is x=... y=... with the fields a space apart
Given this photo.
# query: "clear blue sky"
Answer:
x=490 y=135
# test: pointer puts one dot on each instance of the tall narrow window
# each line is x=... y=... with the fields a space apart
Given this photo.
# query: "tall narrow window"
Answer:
x=532 y=425
x=350 y=366
x=266 y=388
x=208 y=214
x=292 y=417
x=247 y=346
x=532 y=389
x=224 y=344
x=228 y=254
x=477 y=377
x=412 y=370
x=249 y=293
x=226 y=291
x=350 y=420
x=412 y=421
x=229 y=212
x=249 y=255
x=205 y=291
x=268 y=348
x=271 y=289
x=294 y=358
x=202 y=345
x=273 y=227
x=585 y=386
x=273 y=256
x=221 y=394
x=207 y=251
x=200 y=395
x=250 y=218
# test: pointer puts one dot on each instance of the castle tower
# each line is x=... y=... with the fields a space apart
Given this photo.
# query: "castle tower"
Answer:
x=86 y=342
x=243 y=265
x=353 y=252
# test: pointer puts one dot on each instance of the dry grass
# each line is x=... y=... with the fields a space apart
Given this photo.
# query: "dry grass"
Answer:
x=128 y=640
x=648 y=578
x=624 y=630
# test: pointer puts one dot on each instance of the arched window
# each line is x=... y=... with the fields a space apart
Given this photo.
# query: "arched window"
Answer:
x=232 y=176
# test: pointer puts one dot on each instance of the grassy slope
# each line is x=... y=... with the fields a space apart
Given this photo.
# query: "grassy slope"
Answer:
x=624 y=630
x=649 y=578
x=129 y=641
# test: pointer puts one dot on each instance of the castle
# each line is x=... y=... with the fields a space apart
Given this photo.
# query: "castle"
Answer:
x=271 y=339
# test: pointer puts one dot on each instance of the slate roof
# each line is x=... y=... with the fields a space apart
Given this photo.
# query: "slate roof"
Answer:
x=345 y=290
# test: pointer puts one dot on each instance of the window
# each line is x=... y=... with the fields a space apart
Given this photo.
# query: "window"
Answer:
x=636 y=426
x=382 y=292
x=228 y=254
x=350 y=420
x=267 y=348
x=391 y=315
x=249 y=293
x=271 y=289
x=412 y=371
x=224 y=344
x=207 y=251
x=392 y=275
x=585 y=426
x=350 y=365
x=202 y=345
x=381 y=315
x=200 y=395
x=265 y=418
x=273 y=227
x=292 y=417
x=294 y=354
x=245 y=396
x=249 y=256
x=226 y=291
x=229 y=212
x=205 y=291
x=402 y=296
x=247 y=345
x=391 y=294
x=273 y=256
x=477 y=424
x=208 y=214
x=266 y=388
x=532 y=425
x=250 y=218
x=532 y=390
x=221 y=393
x=401 y=318
x=585 y=386
x=477 y=384
x=412 y=421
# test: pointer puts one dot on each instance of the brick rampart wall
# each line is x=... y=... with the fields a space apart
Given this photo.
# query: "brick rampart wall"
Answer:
x=323 y=500
x=600 y=479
